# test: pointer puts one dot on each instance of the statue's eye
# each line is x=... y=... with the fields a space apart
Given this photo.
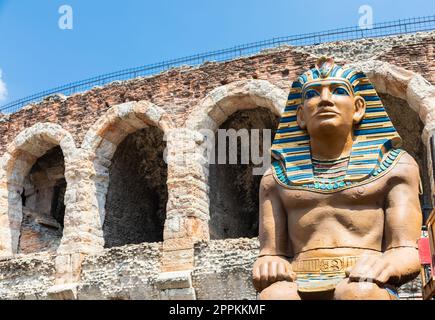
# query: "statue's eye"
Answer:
x=311 y=94
x=340 y=91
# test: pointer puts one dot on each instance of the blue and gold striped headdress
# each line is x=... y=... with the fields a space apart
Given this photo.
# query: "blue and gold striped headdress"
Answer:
x=374 y=137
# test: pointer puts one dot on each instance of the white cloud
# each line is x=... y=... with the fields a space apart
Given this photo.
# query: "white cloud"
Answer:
x=3 y=90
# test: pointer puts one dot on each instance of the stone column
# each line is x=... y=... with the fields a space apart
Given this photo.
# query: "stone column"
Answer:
x=187 y=213
x=12 y=171
x=10 y=218
x=82 y=234
x=83 y=229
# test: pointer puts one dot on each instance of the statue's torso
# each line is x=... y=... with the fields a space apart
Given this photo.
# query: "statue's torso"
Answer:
x=345 y=223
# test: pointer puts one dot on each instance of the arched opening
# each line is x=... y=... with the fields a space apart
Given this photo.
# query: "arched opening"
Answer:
x=234 y=189
x=135 y=208
x=43 y=204
x=32 y=185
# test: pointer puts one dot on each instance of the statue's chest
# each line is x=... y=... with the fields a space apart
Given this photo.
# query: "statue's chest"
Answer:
x=371 y=195
x=359 y=209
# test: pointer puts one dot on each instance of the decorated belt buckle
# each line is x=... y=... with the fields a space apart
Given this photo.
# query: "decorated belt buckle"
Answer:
x=332 y=265
x=325 y=265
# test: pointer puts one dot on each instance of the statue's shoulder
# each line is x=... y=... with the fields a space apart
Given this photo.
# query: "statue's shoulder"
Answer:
x=268 y=182
x=406 y=169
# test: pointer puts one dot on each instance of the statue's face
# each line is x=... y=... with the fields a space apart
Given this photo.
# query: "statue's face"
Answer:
x=329 y=104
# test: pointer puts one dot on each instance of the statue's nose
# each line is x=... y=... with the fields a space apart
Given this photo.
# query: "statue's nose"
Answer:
x=325 y=98
x=325 y=94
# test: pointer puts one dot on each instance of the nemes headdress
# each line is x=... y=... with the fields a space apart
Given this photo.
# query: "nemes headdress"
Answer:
x=375 y=137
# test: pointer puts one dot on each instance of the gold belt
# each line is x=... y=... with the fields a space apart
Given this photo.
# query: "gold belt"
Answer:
x=324 y=265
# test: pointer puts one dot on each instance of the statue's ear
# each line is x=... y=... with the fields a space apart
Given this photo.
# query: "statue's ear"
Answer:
x=300 y=118
x=360 y=109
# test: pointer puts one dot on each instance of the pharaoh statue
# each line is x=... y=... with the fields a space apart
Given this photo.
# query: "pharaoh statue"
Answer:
x=339 y=209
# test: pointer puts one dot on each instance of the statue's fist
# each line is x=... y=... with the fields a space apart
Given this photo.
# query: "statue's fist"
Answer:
x=270 y=269
x=375 y=269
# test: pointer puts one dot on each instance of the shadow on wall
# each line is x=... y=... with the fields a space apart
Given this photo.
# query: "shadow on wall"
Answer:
x=137 y=194
x=43 y=204
x=234 y=190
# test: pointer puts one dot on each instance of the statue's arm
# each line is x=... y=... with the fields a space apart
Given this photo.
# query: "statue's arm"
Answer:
x=403 y=221
x=273 y=232
x=273 y=264
x=399 y=262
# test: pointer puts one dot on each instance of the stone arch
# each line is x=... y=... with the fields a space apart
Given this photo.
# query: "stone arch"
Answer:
x=21 y=154
x=223 y=101
x=410 y=87
x=119 y=121
x=247 y=104
x=108 y=133
x=406 y=85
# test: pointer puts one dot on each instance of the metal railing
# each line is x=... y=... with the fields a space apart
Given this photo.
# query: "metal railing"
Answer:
x=411 y=25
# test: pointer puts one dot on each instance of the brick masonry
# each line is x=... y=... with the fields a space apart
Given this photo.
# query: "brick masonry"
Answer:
x=89 y=127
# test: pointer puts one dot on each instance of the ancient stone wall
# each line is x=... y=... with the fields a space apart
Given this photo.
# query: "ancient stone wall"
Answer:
x=137 y=223
x=27 y=277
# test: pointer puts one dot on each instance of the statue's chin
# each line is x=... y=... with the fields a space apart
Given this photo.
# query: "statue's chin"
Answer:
x=325 y=126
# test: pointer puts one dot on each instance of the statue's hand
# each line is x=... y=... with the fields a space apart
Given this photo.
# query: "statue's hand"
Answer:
x=270 y=269
x=375 y=269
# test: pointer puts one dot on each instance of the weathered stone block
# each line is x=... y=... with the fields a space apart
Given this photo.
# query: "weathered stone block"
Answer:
x=178 y=294
x=174 y=280
x=63 y=292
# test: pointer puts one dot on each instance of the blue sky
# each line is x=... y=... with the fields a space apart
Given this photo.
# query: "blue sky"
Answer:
x=35 y=54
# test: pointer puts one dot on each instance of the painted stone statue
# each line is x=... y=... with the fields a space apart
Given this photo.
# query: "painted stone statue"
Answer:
x=339 y=209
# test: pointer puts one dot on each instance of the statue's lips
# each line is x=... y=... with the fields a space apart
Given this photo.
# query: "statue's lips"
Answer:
x=326 y=111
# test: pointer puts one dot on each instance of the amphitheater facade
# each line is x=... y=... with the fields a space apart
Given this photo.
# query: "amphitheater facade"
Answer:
x=90 y=209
